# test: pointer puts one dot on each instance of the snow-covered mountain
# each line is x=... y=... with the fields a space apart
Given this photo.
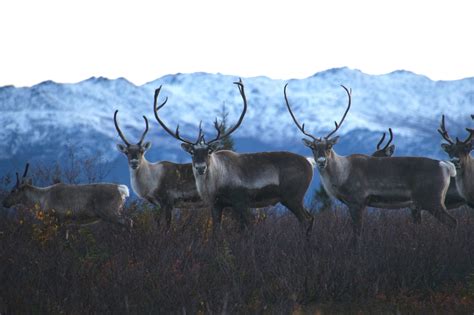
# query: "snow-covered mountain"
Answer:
x=39 y=123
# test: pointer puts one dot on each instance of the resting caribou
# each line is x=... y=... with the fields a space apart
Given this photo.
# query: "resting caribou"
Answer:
x=89 y=201
x=360 y=180
x=165 y=184
x=453 y=199
x=459 y=153
x=228 y=179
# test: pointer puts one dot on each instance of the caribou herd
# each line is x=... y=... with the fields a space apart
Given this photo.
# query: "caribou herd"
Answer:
x=218 y=179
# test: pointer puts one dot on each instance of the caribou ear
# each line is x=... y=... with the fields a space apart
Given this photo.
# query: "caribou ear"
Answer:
x=389 y=150
x=187 y=147
x=446 y=147
x=333 y=141
x=307 y=143
x=147 y=146
x=29 y=181
x=215 y=146
x=121 y=148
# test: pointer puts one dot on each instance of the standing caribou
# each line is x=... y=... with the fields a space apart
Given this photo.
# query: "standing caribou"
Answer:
x=452 y=200
x=163 y=183
x=360 y=180
x=459 y=153
x=89 y=201
x=228 y=179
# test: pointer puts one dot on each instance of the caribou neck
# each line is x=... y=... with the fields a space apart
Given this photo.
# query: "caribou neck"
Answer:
x=146 y=178
x=36 y=196
x=464 y=182
x=206 y=184
x=335 y=173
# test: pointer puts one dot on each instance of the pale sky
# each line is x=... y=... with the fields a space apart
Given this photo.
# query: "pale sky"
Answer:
x=70 y=41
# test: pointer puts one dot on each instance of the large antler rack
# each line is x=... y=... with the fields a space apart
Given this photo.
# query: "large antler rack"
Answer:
x=218 y=126
x=471 y=132
x=383 y=138
x=442 y=131
x=300 y=127
x=121 y=134
x=200 y=137
x=337 y=125
x=174 y=134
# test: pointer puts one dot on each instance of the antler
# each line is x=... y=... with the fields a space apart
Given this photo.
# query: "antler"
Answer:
x=380 y=142
x=144 y=133
x=24 y=174
x=471 y=133
x=121 y=134
x=300 y=127
x=240 y=85
x=383 y=138
x=218 y=127
x=349 y=92
x=173 y=134
x=118 y=129
x=26 y=169
x=442 y=131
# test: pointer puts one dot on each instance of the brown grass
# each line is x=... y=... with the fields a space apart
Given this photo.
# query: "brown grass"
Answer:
x=270 y=268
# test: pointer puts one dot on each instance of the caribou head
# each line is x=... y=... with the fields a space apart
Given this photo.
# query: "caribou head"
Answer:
x=388 y=149
x=19 y=190
x=134 y=152
x=458 y=151
x=201 y=150
x=321 y=147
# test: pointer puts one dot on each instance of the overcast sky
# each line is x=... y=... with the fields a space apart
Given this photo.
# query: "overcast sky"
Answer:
x=69 y=41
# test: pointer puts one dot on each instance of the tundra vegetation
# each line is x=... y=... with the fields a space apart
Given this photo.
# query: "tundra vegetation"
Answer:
x=273 y=267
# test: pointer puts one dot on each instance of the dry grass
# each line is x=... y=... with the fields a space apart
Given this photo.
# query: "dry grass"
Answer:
x=271 y=268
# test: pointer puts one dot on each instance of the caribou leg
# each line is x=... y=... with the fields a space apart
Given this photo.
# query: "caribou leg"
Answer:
x=357 y=216
x=216 y=213
x=440 y=213
x=436 y=207
x=167 y=215
x=303 y=216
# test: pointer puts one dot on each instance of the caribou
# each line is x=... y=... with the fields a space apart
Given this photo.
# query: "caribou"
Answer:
x=459 y=153
x=241 y=181
x=452 y=200
x=80 y=202
x=164 y=184
x=359 y=180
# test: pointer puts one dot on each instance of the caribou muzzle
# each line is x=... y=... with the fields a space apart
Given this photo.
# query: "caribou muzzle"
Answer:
x=457 y=162
x=321 y=162
x=134 y=164
x=201 y=169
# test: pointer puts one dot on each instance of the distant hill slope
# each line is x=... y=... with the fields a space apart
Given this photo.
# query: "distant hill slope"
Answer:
x=39 y=123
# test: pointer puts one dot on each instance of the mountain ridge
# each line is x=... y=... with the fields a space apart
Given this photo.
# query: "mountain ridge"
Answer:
x=40 y=121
